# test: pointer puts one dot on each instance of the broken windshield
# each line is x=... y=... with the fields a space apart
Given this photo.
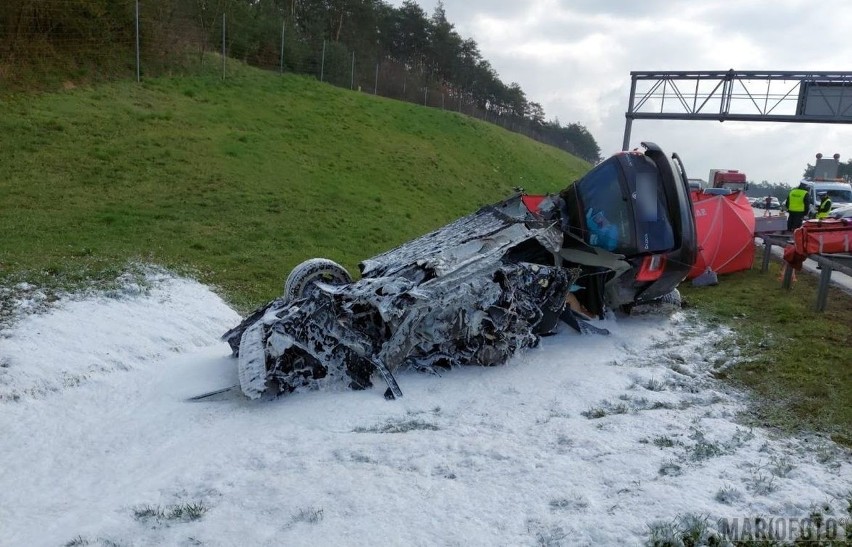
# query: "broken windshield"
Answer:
x=607 y=215
x=624 y=206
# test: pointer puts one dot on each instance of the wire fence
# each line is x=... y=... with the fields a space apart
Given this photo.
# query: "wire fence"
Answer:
x=150 y=39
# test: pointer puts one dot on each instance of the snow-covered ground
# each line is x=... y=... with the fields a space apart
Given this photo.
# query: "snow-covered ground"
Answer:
x=584 y=440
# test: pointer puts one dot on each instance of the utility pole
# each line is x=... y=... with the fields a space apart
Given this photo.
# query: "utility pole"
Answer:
x=322 y=63
x=283 y=25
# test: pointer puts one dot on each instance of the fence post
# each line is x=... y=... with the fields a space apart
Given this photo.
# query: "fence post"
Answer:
x=376 y=85
x=223 y=46
x=281 y=68
x=425 y=86
x=137 y=41
x=322 y=63
x=352 y=77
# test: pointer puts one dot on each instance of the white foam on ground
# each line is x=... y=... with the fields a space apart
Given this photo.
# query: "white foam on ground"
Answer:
x=511 y=455
x=81 y=339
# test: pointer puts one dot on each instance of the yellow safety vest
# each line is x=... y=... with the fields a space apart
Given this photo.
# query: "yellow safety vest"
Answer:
x=824 y=209
x=796 y=200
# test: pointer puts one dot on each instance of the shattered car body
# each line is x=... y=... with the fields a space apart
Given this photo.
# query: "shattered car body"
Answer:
x=482 y=288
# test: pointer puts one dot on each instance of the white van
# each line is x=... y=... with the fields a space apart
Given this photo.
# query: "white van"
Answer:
x=825 y=179
x=839 y=192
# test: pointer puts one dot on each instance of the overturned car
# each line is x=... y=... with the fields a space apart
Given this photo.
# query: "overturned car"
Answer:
x=481 y=288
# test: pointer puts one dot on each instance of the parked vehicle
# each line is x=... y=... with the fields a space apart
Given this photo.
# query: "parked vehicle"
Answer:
x=760 y=203
x=483 y=287
x=840 y=193
x=727 y=178
x=717 y=191
x=844 y=211
x=826 y=180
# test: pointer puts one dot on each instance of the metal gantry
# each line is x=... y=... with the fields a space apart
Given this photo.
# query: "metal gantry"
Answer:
x=766 y=96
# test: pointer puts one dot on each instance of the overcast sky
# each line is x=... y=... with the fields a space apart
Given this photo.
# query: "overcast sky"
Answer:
x=575 y=57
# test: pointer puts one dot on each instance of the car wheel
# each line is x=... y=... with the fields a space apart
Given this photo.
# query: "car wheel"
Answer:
x=312 y=271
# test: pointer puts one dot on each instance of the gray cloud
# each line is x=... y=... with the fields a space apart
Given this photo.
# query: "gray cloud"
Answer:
x=575 y=58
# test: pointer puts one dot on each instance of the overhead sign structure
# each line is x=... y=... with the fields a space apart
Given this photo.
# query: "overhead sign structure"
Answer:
x=755 y=96
x=827 y=100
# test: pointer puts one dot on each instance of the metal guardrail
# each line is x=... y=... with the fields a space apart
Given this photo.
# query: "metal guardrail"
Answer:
x=769 y=240
x=828 y=263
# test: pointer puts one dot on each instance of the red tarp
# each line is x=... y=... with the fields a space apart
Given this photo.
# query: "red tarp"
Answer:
x=725 y=228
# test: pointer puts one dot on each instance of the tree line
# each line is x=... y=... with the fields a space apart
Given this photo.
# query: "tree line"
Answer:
x=420 y=57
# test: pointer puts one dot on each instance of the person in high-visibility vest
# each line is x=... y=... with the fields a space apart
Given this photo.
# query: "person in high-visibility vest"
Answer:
x=824 y=205
x=797 y=204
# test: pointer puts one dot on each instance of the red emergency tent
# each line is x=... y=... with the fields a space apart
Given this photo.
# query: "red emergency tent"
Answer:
x=725 y=229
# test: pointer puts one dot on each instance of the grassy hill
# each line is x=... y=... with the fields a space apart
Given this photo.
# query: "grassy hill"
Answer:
x=241 y=179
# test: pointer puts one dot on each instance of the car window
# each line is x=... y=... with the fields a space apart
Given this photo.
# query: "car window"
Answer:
x=606 y=212
x=653 y=226
x=839 y=195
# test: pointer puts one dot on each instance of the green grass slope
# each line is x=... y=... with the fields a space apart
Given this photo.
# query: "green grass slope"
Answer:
x=242 y=179
x=797 y=360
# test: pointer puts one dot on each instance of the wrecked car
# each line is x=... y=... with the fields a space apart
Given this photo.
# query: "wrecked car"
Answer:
x=480 y=289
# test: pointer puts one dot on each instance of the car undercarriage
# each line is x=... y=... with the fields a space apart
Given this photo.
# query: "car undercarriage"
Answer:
x=480 y=289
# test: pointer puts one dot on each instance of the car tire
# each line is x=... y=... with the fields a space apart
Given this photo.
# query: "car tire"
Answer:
x=311 y=271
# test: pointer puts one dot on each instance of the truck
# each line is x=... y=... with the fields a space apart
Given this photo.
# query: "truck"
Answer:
x=727 y=178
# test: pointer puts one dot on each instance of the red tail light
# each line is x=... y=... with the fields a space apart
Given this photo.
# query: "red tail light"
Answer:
x=652 y=268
